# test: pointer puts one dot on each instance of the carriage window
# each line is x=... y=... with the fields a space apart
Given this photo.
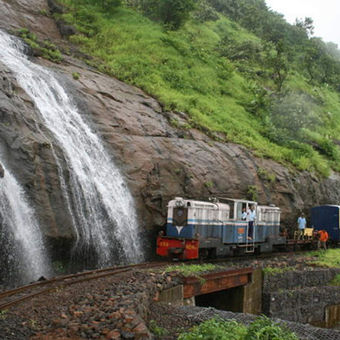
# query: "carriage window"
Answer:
x=231 y=213
x=239 y=210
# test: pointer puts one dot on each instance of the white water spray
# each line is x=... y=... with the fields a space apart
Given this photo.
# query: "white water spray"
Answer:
x=102 y=205
x=26 y=259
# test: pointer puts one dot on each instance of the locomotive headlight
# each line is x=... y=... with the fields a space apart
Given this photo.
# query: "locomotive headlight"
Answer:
x=180 y=203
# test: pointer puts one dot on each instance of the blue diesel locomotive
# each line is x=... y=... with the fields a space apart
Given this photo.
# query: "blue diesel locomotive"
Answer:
x=217 y=228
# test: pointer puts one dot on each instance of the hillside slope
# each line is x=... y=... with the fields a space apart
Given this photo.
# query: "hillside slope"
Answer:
x=159 y=153
x=269 y=86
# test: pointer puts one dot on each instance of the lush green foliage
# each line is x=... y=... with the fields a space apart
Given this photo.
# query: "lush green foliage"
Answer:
x=172 y=13
x=276 y=270
x=157 y=330
x=45 y=48
x=329 y=258
x=335 y=281
x=3 y=314
x=106 y=5
x=218 y=329
x=235 y=67
x=75 y=75
x=192 y=269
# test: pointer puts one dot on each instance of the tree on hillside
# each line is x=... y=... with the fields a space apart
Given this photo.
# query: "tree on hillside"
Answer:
x=276 y=60
x=172 y=13
x=306 y=25
x=322 y=63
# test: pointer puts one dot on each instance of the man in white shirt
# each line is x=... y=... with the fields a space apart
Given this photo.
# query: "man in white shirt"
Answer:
x=251 y=220
x=301 y=225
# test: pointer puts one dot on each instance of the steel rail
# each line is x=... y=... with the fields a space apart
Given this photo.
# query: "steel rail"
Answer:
x=64 y=277
x=93 y=275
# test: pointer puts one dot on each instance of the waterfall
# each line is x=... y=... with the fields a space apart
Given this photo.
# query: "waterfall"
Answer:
x=102 y=207
x=23 y=253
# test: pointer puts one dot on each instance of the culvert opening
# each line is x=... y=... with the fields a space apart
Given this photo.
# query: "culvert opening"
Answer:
x=227 y=300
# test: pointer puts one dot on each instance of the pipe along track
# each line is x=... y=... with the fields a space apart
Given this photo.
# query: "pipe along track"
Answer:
x=10 y=298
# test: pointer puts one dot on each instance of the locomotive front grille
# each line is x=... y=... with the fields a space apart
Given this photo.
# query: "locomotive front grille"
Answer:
x=180 y=217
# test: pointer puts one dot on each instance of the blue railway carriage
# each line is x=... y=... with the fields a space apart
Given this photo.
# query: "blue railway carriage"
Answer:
x=219 y=228
x=327 y=217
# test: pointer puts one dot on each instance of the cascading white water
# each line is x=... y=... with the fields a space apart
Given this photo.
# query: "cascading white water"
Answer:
x=20 y=238
x=102 y=205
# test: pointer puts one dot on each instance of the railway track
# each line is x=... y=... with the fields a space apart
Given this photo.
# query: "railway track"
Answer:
x=14 y=296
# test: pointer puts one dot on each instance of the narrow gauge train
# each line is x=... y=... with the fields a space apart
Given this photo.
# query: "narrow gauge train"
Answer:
x=197 y=228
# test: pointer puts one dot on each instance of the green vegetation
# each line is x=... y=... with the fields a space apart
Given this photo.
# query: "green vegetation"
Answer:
x=44 y=48
x=235 y=67
x=266 y=175
x=3 y=314
x=252 y=193
x=335 y=281
x=75 y=75
x=157 y=330
x=171 y=13
x=59 y=267
x=43 y=12
x=276 y=270
x=329 y=258
x=192 y=269
x=261 y=329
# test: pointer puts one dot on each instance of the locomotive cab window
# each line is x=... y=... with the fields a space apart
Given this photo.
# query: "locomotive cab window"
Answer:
x=239 y=208
x=232 y=206
x=180 y=216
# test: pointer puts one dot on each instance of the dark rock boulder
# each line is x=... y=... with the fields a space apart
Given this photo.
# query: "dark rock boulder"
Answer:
x=54 y=7
x=2 y=171
x=65 y=29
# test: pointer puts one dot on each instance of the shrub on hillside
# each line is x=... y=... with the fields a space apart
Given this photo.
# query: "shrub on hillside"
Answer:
x=205 y=12
x=172 y=13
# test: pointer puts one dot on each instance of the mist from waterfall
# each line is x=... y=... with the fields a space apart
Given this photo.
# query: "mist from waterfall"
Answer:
x=102 y=208
x=24 y=257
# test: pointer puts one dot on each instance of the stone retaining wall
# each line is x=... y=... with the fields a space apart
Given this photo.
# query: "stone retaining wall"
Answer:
x=300 y=296
x=299 y=278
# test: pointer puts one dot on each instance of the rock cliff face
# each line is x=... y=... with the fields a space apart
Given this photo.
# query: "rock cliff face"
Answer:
x=159 y=159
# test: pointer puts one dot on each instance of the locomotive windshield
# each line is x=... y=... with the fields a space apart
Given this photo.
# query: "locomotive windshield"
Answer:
x=180 y=216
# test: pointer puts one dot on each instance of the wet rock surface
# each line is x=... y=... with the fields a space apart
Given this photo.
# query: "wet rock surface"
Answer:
x=159 y=159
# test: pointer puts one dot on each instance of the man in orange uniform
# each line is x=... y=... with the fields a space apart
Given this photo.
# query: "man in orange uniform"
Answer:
x=323 y=238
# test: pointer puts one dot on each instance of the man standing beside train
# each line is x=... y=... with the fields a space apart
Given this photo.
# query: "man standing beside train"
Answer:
x=251 y=220
x=301 y=225
x=323 y=238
